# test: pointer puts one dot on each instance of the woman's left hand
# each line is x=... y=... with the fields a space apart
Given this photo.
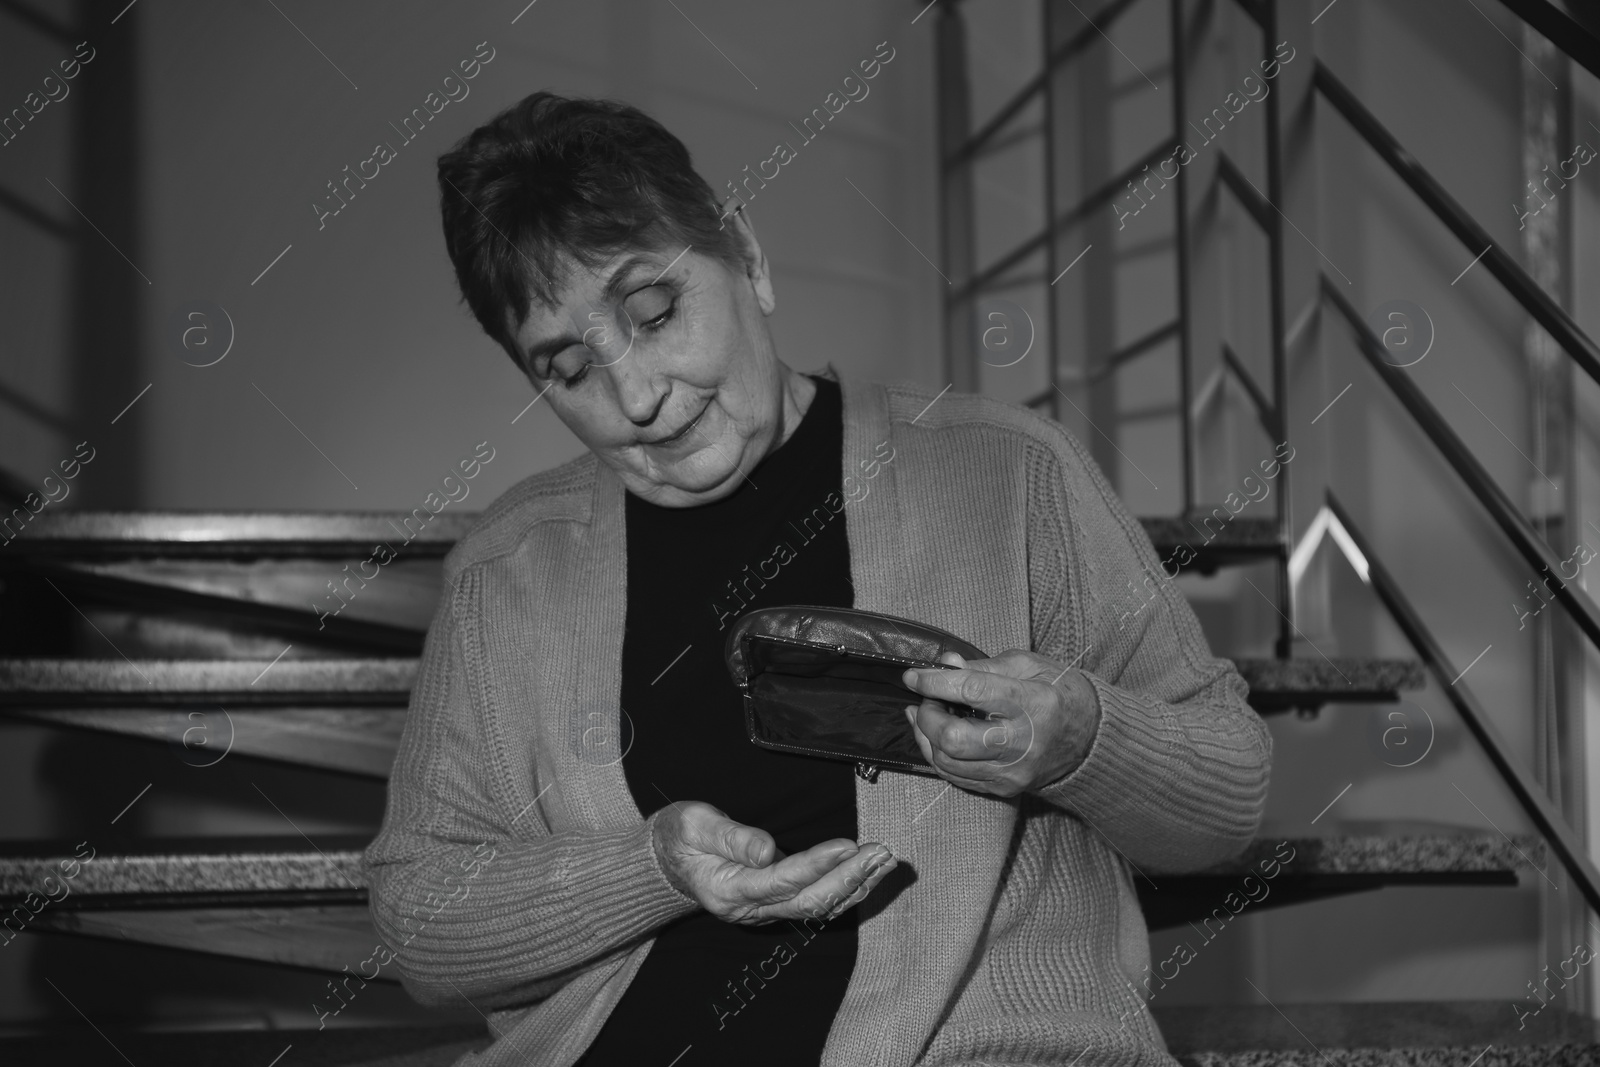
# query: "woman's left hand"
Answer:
x=1042 y=720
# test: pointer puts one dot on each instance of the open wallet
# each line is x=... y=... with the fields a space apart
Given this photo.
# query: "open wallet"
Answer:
x=822 y=681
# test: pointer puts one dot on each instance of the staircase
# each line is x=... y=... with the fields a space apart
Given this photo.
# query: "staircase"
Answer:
x=195 y=636
x=208 y=652
x=1066 y=210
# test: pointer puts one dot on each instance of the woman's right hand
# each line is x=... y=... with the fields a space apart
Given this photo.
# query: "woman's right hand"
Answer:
x=738 y=874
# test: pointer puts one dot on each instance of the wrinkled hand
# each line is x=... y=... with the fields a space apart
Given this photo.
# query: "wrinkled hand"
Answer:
x=738 y=873
x=1042 y=721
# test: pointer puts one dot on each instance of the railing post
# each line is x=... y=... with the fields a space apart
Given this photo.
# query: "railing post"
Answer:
x=1280 y=373
x=1179 y=108
x=955 y=184
x=1047 y=137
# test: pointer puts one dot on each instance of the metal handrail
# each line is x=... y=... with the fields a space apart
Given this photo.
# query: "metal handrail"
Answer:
x=1535 y=300
x=1578 y=39
x=1019 y=99
x=1251 y=200
x=1096 y=199
x=1108 y=366
x=1265 y=411
x=1544 y=815
x=1505 y=514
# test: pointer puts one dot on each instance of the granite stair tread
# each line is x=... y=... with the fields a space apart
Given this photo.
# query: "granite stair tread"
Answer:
x=1376 y=1034
x=431 y=1045
x=266 y=866
x=62 y=680
x=1310 y=681
x=238 y=534
x=177 y=533
x=1194 y=543
x=43 y=681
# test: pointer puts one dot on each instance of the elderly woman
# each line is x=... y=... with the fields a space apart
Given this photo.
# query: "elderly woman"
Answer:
x=581 y=842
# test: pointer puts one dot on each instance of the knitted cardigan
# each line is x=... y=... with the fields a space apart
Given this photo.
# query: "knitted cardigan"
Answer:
x=514 y=870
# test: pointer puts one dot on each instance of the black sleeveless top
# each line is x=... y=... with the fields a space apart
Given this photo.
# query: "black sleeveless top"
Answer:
x=712 y=992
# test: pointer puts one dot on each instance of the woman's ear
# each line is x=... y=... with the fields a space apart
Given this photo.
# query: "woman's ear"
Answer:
x=755 y=260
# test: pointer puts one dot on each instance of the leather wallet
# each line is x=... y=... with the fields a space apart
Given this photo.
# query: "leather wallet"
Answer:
x=821 y=681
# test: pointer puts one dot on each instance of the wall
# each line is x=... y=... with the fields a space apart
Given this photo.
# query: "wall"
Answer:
x=356 y=334
x=1448 y=82
x=355 y=377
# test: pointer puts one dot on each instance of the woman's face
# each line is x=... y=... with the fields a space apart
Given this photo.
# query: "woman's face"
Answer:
x=662 y=364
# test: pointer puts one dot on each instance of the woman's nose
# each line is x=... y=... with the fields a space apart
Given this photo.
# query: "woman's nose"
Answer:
x=640 y=394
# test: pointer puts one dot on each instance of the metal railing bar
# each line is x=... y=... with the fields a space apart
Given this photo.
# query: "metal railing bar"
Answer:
x=1094 y=200
x=1048 y=98
x=28 y=213
x=1181 y=238
x=1159 y=246
x=1154 y=411
x=1109 y=365
x=1137 y=347
x=1535 y=803
x=1505 y=514
x=1579 y=40
x=1017 y=281
x=1129 y=86
x=1017 y=136
x=1264 y=407
x=1254 y=9
x=1516 y=281
x=1267 y=18
x=1245 y=193
x=43 y=23
x=1019 y=99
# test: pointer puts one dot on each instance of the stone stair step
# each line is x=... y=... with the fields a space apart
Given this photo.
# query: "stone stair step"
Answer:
x=1348 y=862
x=369 y=608
x=286 y=902
x=346 y=714
x=1414 y=1034
x=318 y=937
x=360 y=741
x=235 y=535
x=73 y=534
x=1213 y=543
x=1311 y=681
x=200 y=871
x=287 y=870
x=337 y=1046
x=36 y=682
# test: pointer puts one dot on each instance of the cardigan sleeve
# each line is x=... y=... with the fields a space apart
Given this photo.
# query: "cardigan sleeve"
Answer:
x=1176 y=774
x=472 y=903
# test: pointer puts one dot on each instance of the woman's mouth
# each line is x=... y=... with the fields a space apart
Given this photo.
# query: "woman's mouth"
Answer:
x=679 y=434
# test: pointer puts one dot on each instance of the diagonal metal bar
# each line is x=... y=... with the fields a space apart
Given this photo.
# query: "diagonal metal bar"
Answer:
x=40 y=22
x=1099 y=198
x=28 y=213
x=1577 y=37
x=1254 y=10
x=1516 y=281
x=1137 y=347
x=1540 y=811
x=1267 y=18
x=1087 y=36
x=1253 y=201
x=1178 y=41
x=1518 y=529
x=1264 y=407
x=1109 y=365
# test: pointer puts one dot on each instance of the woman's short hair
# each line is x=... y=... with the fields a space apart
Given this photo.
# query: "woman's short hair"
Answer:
x=553 y=175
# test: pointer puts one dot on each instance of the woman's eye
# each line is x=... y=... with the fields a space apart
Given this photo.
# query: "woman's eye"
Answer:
x=569 y=367
x=651 y=307
x=663 y=318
